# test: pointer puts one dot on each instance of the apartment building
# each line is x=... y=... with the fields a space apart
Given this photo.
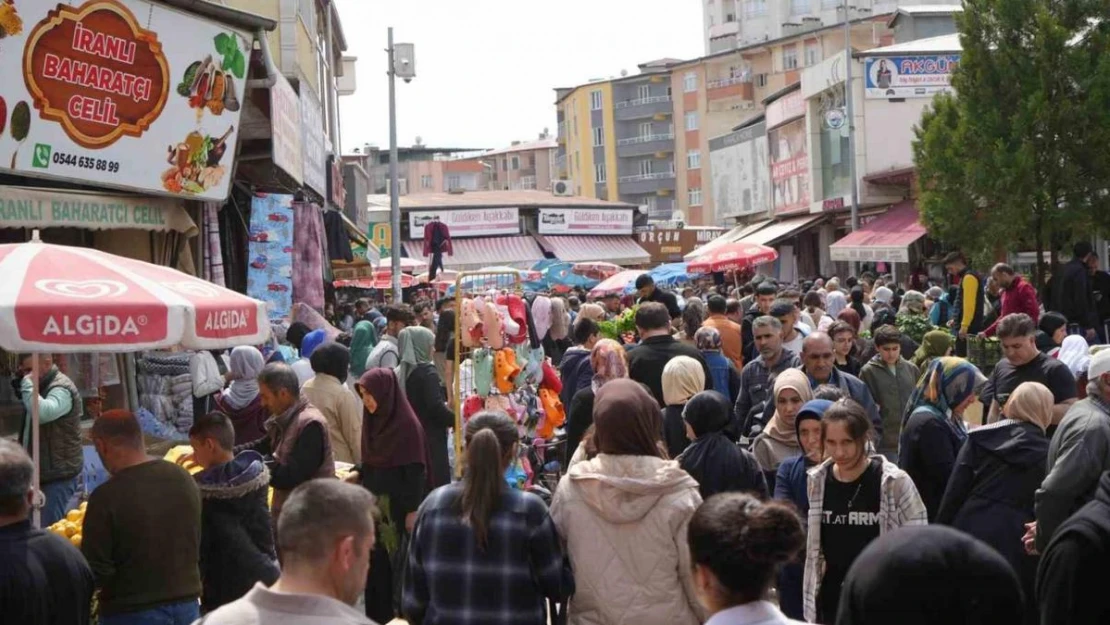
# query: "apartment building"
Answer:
x=422 y=169
x=730 y=24
x=523 y=166
x=616 y=139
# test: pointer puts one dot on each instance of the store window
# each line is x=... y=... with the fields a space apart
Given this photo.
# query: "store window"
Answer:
x=835 y=175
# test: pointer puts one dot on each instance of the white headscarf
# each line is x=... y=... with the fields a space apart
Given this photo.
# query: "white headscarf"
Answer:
x=1074 y=353
x=834 y=303
x=246 y=364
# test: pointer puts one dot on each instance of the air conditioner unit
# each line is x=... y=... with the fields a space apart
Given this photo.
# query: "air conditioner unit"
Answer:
x=562 y=188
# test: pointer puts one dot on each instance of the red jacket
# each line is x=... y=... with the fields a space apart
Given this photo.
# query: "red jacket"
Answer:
x=1021 y=297
x=431 y=230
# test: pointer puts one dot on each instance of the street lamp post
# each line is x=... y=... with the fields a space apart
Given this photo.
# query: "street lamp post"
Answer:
x=401 y=63
x=849 y=110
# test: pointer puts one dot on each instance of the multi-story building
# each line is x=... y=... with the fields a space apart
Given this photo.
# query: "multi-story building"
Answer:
x=422 y=169
x=730 y=24
x=524 y=165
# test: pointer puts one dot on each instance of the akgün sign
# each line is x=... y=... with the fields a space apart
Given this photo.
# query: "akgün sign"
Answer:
x=109 y=84
x=909 y=76
x=593 y=221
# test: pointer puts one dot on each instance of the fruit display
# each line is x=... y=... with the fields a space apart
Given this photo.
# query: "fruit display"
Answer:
x=195 y=163
x=176 y=454
x=71 y=526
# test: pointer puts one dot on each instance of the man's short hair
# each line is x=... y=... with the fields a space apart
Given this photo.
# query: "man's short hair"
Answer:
x=887 y=335
x=611 y=296
x=1003 y=268
x=320 y=513
x=1082 y=249
x=279 y=376
x=362 y=303
x=584 y=328
x=333 y=359
x=955 y=257
x=216 y=426
x=732 y=306
x=400 y=313
x=652 y=316
x=767 y=321
x=766 y=288
x=1015 y=326
x=717 y=305
x=783 y=307
x=118 y=426
x=16 y=472
x=840 y=327
x=644 y=280
x=296 y=333
x=573 y=301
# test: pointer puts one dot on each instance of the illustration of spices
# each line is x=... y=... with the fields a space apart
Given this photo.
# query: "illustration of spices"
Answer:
x=21 y=126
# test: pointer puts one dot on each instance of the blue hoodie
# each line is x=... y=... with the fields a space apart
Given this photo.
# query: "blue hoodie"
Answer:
x=575 y=371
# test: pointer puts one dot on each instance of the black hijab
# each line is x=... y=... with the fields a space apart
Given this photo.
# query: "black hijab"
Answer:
x=932 y=575
x=713 y=460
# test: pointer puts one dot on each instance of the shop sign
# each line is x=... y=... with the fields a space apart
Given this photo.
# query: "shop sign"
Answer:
x=285 y=128
x=36 y=208
x=468 y=222
x=590 y=221
x=315 y=156
x=919 y=76
x=109 y=84
x=789 y=168
x=672 y=244
x=381 y=239
x=337 y=191
x=786 y=108
x=741 y=172
x=832 y=204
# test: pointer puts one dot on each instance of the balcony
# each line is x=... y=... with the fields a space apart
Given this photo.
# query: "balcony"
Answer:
x=730 y=87
x=643 y=107
x=646 y=183
x=645 y=145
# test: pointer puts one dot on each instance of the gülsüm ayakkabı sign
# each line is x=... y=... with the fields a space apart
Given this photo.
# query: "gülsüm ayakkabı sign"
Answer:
x=120 y=93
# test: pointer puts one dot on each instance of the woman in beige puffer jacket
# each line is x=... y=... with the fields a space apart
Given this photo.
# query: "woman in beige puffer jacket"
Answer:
x=624 y=515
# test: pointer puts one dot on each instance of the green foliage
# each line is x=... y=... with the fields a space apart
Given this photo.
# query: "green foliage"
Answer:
x=234 y=60
x=913 y=326
x=622 y=324
x=1018 y=157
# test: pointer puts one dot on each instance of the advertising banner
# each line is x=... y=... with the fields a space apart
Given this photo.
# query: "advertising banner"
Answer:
x=741 y=172
x=24 y=207
x=669 y=245
x=909 y=76
x=314 y=147
x=270 y=271
x=120 y=93
x=286 y=128
x=468 y=222
x=786 y=108
x=592 y=221
x=789 y=168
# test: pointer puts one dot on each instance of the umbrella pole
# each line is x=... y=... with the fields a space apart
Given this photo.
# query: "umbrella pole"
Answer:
x=40 y=497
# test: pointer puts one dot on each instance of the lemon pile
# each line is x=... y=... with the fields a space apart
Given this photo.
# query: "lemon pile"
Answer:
x=71 y=526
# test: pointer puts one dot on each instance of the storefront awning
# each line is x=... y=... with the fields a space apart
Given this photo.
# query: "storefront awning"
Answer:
x=479 y=252
x=613 y=249
x=737 y=233
x=887 y=239
x=780 y=230
x=27 y=207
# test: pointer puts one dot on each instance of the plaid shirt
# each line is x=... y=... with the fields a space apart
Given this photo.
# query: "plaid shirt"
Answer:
x=450 y=580
x=899 y=506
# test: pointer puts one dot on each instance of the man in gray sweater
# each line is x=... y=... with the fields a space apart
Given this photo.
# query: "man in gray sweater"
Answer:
x=325 y=534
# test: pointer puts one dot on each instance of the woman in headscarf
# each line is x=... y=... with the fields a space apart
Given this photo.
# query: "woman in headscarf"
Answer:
x=933 y=427
x=835 y=302
x=425 y=392
x=683 y=377
x=858 y=304
x=623 y=517
x=882 y=297
x=335 y=401
x=779 y=440
x=395 y=468
x=790 y=485
x=557 y=340
x=610 y=362
x=931 y=576
x=998 y=471
x=1075 y=353
x=935 y=344
x=718 y=464
x=363 y=340
x=724 y=378
x=593 y=312
x=240 y=401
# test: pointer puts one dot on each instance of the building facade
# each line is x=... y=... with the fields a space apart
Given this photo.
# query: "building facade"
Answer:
x=523 y=166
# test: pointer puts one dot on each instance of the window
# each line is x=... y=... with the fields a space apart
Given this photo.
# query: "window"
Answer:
x=761 y=80
x=647 y=167
x=790 y=57
x=694 y=196
x=813 y=53
x=690 y=82
x=693 y=159
x=799 y=7
x=453 y=182
x=645 y=129
x=649 y=202
x=643 y=92
x=691 y=121
x=595 y=100
x=515 y=163
x=599 y=173
x=599 y=137
x=425 y=182
x=753 y=8
x=730 y=17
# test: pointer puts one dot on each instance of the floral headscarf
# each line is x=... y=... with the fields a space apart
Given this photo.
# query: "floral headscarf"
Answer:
x=609 y=361
x=946 y=384
x=707 y=339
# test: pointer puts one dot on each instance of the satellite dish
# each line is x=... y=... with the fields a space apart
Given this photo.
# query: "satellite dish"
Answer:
x=624 y=73
x=678 y=217
x=419 y=140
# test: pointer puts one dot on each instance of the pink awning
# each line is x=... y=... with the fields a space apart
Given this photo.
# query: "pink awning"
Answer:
x=614 y=249
x=478 y=252
x=887 y=239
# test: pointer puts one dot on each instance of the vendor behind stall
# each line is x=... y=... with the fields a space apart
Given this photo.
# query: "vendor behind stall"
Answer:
x=60 y=456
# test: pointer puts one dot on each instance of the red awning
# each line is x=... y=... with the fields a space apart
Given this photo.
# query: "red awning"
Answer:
x=614 y=249
x=479 y=252
x=887 y=239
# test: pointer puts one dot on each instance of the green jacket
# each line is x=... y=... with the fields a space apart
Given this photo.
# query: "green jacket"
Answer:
x=891 y=391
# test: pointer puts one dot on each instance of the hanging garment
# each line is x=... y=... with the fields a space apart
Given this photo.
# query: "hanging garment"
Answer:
x=339 y=246
x=308 y=255
x=213 y=251
x=437 y=238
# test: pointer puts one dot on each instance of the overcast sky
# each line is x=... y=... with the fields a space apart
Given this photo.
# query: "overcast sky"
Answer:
x=487 y=69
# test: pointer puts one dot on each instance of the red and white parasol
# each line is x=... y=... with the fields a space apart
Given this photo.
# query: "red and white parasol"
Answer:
x=598 y=270
x=616 y=283
x=408 y=265
x=732 y=256
x=380 y=280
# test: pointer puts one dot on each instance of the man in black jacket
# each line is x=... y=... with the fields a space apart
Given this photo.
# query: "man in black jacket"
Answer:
x=236 y=541
x=1070 y=577
x=656 y=348
x=648 y=292
x=1072 y=294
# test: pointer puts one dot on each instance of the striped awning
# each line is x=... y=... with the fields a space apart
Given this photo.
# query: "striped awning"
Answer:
x=473 y=253
x=614 y=249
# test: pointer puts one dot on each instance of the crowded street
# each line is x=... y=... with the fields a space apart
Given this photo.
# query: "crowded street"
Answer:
x=835 y=351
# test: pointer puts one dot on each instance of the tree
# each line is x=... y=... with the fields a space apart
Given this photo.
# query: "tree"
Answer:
x=1019 y=155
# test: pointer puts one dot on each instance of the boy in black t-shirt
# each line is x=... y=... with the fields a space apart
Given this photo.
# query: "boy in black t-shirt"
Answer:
x=1023 y=362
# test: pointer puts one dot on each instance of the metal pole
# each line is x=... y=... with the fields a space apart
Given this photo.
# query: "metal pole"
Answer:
x=849 y=109
x=394 y=191
x=36 y=453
